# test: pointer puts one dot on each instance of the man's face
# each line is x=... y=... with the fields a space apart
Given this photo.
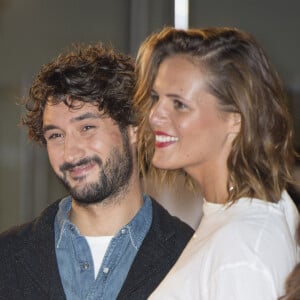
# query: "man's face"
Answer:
x=87 y=151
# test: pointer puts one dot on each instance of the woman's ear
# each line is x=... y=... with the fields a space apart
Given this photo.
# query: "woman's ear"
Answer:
x=235 y=124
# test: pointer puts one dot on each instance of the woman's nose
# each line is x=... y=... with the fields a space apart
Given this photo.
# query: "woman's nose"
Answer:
x=158 y=113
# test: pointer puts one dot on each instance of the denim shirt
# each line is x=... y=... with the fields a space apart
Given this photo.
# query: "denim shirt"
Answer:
x=75 y=262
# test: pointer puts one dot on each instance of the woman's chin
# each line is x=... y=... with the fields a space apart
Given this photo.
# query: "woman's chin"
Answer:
x=164 y=165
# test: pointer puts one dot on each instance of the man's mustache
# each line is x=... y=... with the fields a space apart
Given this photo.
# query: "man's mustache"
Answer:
x=68 y=166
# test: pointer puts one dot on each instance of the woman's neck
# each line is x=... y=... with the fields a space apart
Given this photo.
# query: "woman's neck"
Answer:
x=212 y=181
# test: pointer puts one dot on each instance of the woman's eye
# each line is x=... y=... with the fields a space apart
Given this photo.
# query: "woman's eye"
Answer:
x=179 y=105
x=154 y=97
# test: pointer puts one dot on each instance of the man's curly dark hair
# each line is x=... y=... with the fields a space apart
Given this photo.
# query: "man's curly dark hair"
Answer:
x=88 y=73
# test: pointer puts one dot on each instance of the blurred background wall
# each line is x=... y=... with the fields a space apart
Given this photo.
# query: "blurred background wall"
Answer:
x=33 y=32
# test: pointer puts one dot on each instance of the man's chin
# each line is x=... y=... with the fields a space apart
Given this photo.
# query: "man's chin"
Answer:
x=84 y=202
x=83 y=197
x=78 y=183
x=79 y=189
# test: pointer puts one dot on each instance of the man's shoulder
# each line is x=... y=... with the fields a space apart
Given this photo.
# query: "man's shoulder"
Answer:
x=15 y=236
x=166 y=223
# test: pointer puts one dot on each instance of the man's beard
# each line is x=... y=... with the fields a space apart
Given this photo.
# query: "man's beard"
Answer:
x=113 y=179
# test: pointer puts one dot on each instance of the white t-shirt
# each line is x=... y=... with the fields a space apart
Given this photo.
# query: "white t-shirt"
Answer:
x=240 y=252
x=98 y=246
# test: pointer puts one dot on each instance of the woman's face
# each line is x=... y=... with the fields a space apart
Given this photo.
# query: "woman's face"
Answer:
x=190 y=130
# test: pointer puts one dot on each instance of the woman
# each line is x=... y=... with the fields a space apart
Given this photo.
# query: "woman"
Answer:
x=211 y=105
x=292 y=284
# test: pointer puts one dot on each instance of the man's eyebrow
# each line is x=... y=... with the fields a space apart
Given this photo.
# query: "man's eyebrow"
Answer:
x=48 y=127
x=87 y=115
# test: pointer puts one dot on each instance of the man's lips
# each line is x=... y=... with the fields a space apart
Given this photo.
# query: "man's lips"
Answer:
x=81 y=170
x=163 y=139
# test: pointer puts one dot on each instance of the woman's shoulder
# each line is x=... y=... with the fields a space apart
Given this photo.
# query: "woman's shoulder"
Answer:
x=247 y=229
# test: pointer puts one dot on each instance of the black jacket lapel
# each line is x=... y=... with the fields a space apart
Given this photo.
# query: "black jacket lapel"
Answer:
x=37 y=259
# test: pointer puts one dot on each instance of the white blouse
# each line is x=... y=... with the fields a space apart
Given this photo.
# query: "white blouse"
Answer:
x=241 y=252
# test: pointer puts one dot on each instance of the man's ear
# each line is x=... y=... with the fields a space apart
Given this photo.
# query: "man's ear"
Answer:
x=132 y=133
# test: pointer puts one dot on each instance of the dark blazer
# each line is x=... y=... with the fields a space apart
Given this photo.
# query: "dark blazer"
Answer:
x=28 y=267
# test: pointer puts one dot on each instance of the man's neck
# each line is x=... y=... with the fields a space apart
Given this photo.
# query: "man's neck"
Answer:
x=106 y=218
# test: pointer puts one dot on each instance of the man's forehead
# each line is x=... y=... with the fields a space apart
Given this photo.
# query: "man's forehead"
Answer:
x=72 y=104
x=77 y=112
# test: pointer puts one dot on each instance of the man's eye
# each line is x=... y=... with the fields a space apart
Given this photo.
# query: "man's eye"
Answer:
x=53 y=136
x=88 y=127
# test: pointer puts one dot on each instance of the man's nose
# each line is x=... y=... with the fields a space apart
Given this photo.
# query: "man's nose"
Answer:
x=73 y=149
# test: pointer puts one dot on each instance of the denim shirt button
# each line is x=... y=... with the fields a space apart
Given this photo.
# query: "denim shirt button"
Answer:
x=123 y=231
x=85 y=265
x=105 y=270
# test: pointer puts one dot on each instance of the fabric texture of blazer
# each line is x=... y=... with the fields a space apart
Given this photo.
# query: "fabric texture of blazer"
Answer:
x=28 y=267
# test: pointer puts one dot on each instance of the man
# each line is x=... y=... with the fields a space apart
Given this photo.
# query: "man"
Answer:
x=106 y=240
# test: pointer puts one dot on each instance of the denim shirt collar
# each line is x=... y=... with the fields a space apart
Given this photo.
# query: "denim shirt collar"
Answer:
x=137 y=227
